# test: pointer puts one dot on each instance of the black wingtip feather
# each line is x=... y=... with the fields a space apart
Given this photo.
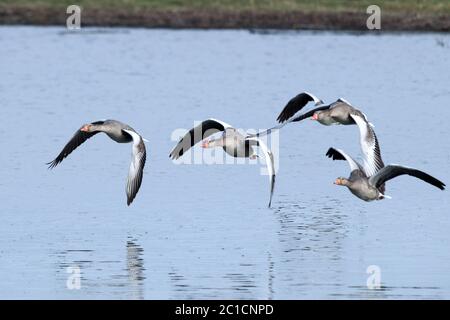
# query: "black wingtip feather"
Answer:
x=438 y=184
x=334 y=154
x=51 y=164
x=281 y=118
x=293 y=106
x=441 y=185
x=130 y=200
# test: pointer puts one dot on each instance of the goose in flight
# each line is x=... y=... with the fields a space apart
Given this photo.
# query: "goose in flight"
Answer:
x=120 y=133
x=338 y=112
x=292 y=107
x=369 y=188
x=232 y=142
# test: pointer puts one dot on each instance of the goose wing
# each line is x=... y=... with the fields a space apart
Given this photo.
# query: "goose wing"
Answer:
x=136 y=171
x=296 y=119
x=268 y=155
x=268 y=131
x=78 y=138
x=391 y=171
x=196 y=134
x=309 y=114
x=337 y=154
x=369 y=145
x=296 y=104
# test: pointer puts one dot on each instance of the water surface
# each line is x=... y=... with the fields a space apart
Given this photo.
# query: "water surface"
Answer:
x=204 y=231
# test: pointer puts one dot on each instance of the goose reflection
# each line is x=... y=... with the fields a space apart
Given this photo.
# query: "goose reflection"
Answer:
x=271 y=277
x=135 y=269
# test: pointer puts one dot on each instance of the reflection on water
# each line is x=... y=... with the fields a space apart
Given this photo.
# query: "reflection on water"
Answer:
x=135 y=268
x=200 y=231
x=98 y=274
x=271 y=277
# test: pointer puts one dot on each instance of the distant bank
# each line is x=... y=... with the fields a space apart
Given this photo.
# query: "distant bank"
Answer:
x=209 y=17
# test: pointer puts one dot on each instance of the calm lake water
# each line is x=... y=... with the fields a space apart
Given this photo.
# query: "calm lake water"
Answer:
x=204 y=231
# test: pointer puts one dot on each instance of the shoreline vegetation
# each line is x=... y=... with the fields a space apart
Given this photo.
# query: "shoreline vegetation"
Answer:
x=351 y=15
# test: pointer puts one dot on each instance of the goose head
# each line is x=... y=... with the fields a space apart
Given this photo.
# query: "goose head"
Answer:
x=342 y=182
x=318 y=115
x=211 y=143
x=87 y=128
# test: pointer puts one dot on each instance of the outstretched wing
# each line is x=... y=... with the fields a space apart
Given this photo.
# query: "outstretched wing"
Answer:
x=270 y=165
x=309 y=114
x=296 y=104
x=296 y=119
x=136 y=171
x=78 y=138
x=337 y=154
x=369 y=145
x=391 y=171
x=268 y=131
x=196 y=134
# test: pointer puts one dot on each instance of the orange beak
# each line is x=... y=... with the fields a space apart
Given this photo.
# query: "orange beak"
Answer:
x=337 y=182
x=314 y=117
x=85 y=128
x=205 y=144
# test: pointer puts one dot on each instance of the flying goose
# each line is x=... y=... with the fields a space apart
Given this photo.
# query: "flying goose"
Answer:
x=292 y=107
x=120 y=133
x=232 y=142
x=338 y=112
x=369 y=188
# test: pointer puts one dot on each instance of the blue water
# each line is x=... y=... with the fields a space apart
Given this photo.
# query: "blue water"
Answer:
x=204 y=231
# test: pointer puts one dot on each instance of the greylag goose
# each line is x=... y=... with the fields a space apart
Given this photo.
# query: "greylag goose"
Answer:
x=292 y=107
x=120 y=133
x=369 y=188
x=232 y=142
x=338 y=112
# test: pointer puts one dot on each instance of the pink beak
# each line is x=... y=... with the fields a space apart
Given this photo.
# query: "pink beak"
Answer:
x=85 y=128
x=314 y=117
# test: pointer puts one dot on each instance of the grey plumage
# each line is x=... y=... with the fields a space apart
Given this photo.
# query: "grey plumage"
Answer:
x=119 y=132
x=231 y=141
x=369 y=188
